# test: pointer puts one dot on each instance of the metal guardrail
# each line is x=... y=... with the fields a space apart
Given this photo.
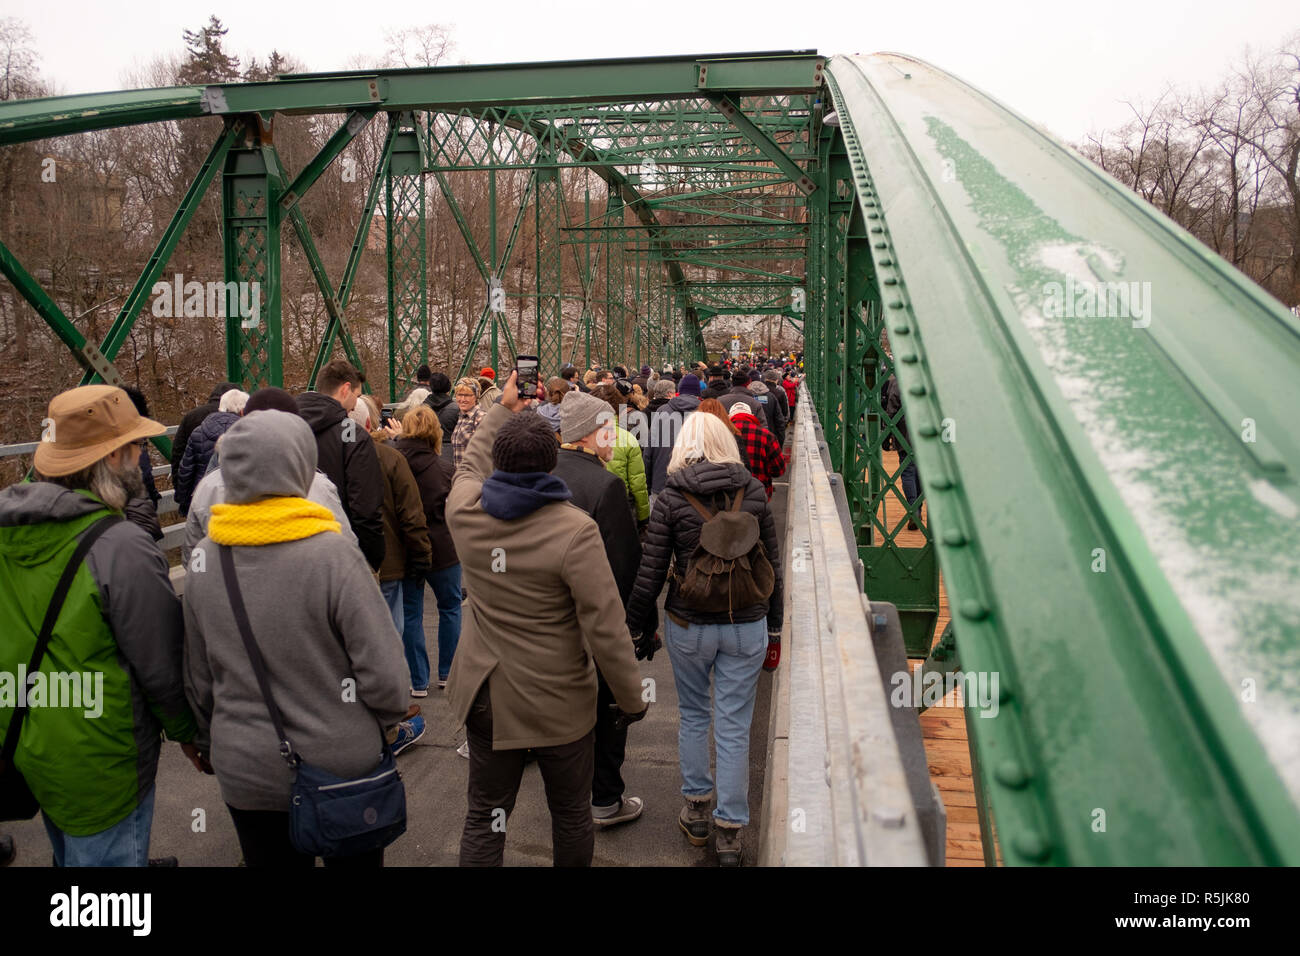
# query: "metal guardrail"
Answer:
x=173 y=534
x=837 y=789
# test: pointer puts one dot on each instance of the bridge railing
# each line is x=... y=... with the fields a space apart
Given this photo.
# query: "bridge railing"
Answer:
x=845 y=769
x=173 y=534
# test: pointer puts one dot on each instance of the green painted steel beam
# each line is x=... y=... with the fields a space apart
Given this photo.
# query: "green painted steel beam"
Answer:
x=505 y=84
x=793 y=171
x=251 y=253
x=24 y=120
x=333 y=306
x=1112 y=491
x=354 y=255
x=438 y=88
x=190 y=202
x=84 y=352
x=356 y=122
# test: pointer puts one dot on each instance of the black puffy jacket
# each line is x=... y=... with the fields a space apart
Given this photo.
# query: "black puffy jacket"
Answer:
x=192 y=420
x=198 y=451
x=674 y=532
x=353 y=466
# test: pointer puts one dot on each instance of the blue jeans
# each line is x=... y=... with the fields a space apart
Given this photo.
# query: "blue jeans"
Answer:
x=911 y=483
x=125 y=843
x=734 y=653
x=446 y=590
x=392 y=592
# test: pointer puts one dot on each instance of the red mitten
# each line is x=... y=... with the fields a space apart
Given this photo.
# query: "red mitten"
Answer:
x=773 y=653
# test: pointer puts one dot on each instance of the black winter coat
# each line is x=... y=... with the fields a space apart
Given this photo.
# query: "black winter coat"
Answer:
x=674 y=533
x=664 y=428
x=198 y=452
x=739 y=393
x=448 y=413
x=715 y=391
x=192 y=420
x=433 y=477
x=601 y=494
x=353 y=466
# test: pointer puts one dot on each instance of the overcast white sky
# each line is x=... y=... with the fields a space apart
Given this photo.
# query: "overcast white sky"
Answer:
x=1068 y=66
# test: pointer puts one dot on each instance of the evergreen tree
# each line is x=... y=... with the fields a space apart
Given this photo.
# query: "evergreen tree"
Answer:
x=208 y=62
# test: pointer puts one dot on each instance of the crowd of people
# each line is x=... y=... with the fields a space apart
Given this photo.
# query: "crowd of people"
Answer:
x=313 y=524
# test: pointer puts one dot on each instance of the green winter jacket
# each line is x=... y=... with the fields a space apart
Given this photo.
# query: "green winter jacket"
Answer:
x=628 y=464
x=89 y=764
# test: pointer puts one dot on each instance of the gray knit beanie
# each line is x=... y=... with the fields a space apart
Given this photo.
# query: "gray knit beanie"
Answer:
x=581 y=414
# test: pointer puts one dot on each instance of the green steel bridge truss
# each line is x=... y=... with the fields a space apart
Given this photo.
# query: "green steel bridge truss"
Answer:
x=1113 y=547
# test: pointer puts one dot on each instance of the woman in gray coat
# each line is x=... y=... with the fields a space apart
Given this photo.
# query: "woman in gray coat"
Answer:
x=319 y=621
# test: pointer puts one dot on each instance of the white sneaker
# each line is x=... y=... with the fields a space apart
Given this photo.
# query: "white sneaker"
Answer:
x=463 y=750
x=419 y=693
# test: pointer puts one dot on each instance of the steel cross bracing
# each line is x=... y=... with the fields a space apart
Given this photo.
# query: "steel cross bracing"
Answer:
x=697 y=129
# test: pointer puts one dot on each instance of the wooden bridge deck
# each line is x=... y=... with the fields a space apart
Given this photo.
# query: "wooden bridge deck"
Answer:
x=944 y=731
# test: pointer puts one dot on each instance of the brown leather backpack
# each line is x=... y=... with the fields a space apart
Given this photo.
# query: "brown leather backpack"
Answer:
x=729 y=568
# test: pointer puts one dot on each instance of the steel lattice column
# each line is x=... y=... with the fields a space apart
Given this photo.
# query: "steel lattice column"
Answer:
x=615 y=328
x=839 y=208
x=550 y=266
x=251 y=241
x=408 y=287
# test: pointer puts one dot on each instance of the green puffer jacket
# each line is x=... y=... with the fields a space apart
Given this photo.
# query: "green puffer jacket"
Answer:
x=628 y=464
x=89 y=765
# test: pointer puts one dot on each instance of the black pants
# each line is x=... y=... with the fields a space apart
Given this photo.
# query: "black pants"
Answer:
x=611 y=747
x=494 y=777
x=264 y=838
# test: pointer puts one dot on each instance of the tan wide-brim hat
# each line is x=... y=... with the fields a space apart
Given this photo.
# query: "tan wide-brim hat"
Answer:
x=86 y=424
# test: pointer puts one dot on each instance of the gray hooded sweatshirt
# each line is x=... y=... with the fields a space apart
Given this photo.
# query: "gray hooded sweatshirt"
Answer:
x=334 y=658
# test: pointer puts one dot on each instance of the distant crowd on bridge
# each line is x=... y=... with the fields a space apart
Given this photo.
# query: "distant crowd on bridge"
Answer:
x=546 y=521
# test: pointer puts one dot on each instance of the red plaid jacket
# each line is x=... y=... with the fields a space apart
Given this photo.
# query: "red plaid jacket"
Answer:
x=759 y=450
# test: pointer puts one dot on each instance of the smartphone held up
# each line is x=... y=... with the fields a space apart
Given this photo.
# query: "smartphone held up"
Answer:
x=526 y=370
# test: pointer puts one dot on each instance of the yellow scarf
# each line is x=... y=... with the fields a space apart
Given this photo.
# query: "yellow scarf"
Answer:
x=269 y=521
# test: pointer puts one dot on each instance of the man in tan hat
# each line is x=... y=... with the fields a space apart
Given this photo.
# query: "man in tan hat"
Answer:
x=110 y=680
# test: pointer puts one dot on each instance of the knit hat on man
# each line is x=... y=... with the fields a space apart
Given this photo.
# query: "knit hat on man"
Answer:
x=689 y=385
x=526 y=443
x=581 y=414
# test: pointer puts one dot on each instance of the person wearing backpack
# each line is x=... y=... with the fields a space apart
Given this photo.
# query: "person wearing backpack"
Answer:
x=723 y=617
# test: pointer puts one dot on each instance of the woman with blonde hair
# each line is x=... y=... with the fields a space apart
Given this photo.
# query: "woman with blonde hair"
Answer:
x=471 y=413
x=421 y=444
x=705 y=476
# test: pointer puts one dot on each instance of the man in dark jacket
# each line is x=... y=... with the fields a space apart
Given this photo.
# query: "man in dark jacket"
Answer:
x=740 y=392
x=587 y=430
x=447 y=411
x=772 y=379
x=193 y=420
x=347 y=455
x=717 y=383
x=664 y=426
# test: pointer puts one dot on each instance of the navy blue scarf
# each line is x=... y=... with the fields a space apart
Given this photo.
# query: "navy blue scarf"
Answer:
x=509 y=495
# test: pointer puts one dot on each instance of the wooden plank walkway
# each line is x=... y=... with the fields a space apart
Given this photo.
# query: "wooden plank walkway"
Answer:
x=944 y=730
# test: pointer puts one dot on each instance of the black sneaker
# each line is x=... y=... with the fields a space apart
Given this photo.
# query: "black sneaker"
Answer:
x=7 y=850
x=163 y=861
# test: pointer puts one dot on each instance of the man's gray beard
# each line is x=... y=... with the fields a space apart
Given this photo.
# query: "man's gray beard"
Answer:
x=132 y=480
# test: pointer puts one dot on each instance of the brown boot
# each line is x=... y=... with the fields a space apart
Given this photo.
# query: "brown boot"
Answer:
x=728 y=844
x=695 y=819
